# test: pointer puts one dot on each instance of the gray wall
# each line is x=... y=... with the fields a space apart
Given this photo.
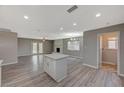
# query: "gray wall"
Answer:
x=58 y=44
x=91 y=45
x=8 y=47
x=78 y=54
x=48 y=46
x=122 y=50
x=25 y=46
x=5 y=30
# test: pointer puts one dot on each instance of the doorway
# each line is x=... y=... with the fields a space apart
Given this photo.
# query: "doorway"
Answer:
x=108 y=48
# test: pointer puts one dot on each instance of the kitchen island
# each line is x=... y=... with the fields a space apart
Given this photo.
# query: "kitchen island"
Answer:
x=55 y=65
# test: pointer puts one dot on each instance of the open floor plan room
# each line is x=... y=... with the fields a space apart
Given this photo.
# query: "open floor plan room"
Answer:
x=62 y=46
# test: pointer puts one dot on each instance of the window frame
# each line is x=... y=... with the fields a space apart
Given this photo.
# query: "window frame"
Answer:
x=39 y=47
x=115 y=45
x=72 y=47
x=33 y=47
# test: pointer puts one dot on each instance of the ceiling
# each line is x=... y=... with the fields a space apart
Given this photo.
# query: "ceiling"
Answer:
x=46 y=20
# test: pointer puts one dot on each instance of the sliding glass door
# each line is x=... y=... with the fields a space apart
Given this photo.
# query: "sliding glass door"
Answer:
x=37 y=47
x=40 y=48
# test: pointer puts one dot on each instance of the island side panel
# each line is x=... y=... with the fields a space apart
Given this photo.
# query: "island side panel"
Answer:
x=61 y=69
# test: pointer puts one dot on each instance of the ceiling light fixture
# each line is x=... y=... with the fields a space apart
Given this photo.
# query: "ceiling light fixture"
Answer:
x=98 y=14
x=26 y=17
x=61 y=28
x=44 y=39
x=74 y=24
x=73 y=34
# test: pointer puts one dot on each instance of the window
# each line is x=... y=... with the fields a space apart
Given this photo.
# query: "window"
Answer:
x=34 y=48
x=112 y=43
x=40 y=47
x=73 y=45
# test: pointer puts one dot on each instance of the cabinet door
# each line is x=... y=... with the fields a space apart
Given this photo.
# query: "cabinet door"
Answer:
x=52 y=69
x=46 y=65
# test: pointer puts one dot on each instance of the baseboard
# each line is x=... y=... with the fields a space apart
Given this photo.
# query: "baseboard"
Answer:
x=109 y=63
x=76 y=57
x=25 y=55
x=30 y=55
x=90 y=66
x=9 y=63
x=60 y=79
x=122 y=75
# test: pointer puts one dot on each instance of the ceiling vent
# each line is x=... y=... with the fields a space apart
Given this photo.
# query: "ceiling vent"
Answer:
x=70 y=10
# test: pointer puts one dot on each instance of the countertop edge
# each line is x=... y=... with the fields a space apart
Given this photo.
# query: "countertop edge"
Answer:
x=1 y=61
x=57 y=58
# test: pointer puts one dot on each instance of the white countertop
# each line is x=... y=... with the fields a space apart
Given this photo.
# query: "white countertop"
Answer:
x=1 y=62
x=56 y=56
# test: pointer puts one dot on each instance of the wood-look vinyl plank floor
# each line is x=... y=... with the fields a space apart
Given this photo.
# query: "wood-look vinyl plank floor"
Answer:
x=28 y=72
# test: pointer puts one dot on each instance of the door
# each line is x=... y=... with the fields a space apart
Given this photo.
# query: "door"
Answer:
x=40 y=48
x=46 y=64
x=35 y=48
x=52 y=68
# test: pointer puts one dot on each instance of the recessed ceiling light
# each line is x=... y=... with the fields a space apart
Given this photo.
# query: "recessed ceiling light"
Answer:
x=61 y=28
x=74 y=24
x=26 y=17
x=98 y=14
